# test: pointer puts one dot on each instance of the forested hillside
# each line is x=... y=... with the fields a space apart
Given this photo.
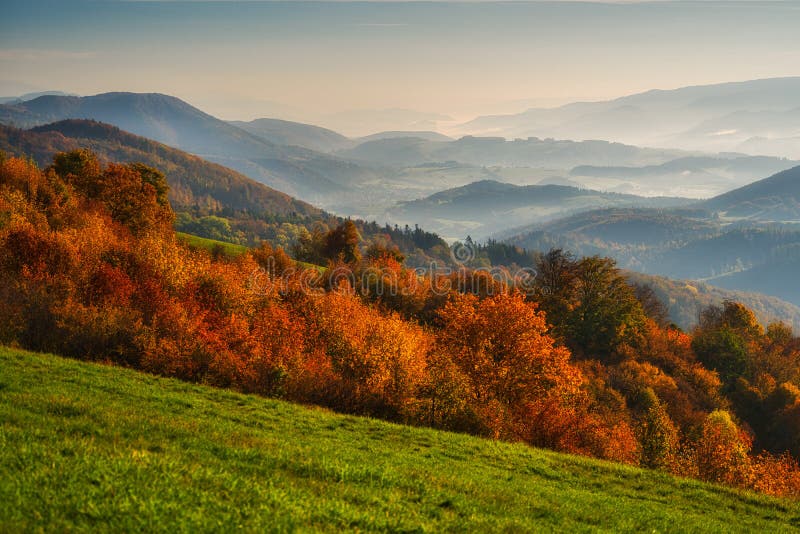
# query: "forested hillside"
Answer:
x=195 y=184
x=574 y=359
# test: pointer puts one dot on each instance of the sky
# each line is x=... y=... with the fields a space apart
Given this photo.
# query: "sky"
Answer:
x=317 y=61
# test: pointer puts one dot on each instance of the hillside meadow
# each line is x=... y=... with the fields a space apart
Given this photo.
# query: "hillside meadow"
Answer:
x=92 y=447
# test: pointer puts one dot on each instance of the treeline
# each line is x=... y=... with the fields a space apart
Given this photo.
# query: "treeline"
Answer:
x=574 y=359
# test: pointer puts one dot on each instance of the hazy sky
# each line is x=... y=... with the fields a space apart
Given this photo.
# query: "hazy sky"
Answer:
x=240 y=60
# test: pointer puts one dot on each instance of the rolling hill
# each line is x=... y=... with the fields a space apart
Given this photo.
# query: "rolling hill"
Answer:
x=91 y=447
x=484 y=207
x=296 y=171
x=194 y=182
x=776 y=198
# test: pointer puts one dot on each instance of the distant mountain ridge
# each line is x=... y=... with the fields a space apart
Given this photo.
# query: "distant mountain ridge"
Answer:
x=297 y=171
x=400 y=134
x=31 y=96
x=290 y=133
x=489 y=151
x=718 y=117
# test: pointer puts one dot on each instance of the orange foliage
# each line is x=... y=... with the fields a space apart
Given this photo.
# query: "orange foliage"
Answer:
x=378 y=359
x=501 y=347
x=91 y=270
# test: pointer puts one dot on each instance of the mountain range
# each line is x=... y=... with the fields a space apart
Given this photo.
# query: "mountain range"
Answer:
x=601 y=165
x=471 y=185
x=754 y=117
x=300 y=172
x=742 y=240
x=366 y=177
x=747 y=239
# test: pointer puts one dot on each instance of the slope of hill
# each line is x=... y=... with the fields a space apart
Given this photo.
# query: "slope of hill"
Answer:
x=685 y=299
x=289 y=133
x=297 y=171
x=488 y=206
x=776 y=198
x=685 y=118
x=776 y=277
x=194 y=182
x=639 y=227
x=88 y=447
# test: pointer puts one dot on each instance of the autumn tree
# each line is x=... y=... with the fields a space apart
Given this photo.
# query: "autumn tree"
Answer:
x=341 y=243
x=555 y=286
x=378 y=359
x=722 y=451
x=501 y=346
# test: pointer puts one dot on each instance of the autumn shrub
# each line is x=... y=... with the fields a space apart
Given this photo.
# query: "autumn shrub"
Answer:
x=722 y=450
x=776 y=475
x=574 y=429
x=378 y=360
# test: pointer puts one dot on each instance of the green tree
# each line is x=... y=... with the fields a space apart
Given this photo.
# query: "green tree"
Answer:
x=606 y=312
x=655 y=430
x=554 y=287
x=724 y=339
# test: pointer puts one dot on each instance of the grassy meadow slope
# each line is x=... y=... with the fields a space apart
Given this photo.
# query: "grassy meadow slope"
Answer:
x=91 y=447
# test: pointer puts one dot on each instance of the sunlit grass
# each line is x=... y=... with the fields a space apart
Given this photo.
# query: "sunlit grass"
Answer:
x=84 y=446
x=228 y=249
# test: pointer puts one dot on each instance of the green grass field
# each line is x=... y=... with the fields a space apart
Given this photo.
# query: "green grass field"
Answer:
x=229 y=249
x=89 y=447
